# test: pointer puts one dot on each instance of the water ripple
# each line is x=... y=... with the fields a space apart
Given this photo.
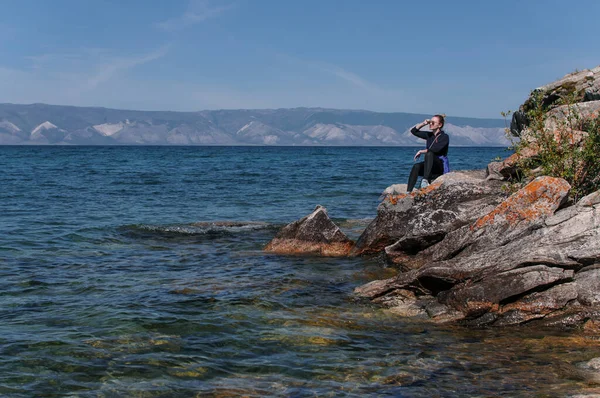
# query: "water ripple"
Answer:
x=110 y=286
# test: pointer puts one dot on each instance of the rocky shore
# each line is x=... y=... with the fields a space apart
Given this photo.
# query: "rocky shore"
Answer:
x=475 y=253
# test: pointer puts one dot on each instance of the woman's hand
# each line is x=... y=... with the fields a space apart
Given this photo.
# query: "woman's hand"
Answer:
x=419 y=153
x=423 y=124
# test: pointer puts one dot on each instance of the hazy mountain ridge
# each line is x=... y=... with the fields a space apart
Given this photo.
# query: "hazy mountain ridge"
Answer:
x=41 y=124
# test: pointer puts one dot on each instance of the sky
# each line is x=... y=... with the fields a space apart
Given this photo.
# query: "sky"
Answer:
x=460 y=58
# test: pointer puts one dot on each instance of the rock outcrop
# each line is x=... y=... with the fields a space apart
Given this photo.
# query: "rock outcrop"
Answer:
x=419 y=219
x=578 y=87
x=560 y=111
x=533 y=257
x=313 y=234
x=515 y=217
x=521 y=262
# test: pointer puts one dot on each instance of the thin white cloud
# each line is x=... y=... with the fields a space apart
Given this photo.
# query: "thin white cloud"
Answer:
x=197 y=11
x=92 y=77
x=347 y=76
x=45 y=61
x=72 y=77
x=121 y=64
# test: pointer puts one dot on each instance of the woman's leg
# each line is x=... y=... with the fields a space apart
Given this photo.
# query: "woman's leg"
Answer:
x=417 y=170
x=433 y=165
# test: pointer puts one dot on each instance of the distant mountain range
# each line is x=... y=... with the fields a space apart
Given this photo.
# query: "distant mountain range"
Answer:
x=41 y=124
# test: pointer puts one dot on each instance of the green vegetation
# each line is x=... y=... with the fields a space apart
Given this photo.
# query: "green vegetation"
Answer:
x=561 y=142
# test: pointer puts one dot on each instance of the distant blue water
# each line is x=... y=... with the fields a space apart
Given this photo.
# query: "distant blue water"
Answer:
x=139 y=271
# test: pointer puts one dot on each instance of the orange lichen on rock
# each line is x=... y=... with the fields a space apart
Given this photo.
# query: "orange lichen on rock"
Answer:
x=313 y=234
x=393 y=199
x=539 y=198
x=296 y=246
x=525 y=153
x=569 y=136
x=535 y=307
x=479 y=306
x=430 y=188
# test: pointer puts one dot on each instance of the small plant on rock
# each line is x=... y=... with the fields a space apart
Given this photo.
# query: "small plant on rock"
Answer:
x=561 y=142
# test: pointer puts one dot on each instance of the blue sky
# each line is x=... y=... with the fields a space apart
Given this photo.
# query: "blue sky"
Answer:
x=461 y=58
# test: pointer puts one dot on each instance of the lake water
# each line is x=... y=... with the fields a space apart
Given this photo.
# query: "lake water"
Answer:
x=139 y=271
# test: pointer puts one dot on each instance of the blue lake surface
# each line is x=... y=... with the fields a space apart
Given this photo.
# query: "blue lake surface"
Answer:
x=139 y=271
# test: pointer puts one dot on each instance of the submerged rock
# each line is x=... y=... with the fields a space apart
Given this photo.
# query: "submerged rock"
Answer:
x=313 y=234
x=588 y=371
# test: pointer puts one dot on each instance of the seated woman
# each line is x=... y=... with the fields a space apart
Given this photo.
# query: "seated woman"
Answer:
x=436 y=160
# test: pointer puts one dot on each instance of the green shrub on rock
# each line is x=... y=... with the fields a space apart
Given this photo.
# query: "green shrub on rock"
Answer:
x=561 y=141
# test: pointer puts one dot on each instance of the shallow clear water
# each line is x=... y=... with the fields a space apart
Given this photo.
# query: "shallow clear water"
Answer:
x=139 y=271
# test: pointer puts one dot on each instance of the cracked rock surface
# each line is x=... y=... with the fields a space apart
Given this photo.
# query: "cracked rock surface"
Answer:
x=525 y=260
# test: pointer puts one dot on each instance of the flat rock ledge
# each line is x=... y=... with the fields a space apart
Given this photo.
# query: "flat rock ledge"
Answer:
x=314 y=234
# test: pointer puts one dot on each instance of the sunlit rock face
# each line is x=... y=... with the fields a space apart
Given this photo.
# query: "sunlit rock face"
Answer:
x=313 y=234
x=423 y=217
x=526 y=260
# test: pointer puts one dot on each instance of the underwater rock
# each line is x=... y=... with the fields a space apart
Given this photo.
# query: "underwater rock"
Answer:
x=313 y=234
x=588 y=371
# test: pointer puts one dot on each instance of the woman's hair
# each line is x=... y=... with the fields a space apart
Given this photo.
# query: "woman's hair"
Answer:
x=441 y=119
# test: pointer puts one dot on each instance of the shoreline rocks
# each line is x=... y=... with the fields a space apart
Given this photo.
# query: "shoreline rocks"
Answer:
x=497 y=260
x=581 y=87
x=515 y=265
x=412 y=222
x=313 y=234
x=471 y=254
